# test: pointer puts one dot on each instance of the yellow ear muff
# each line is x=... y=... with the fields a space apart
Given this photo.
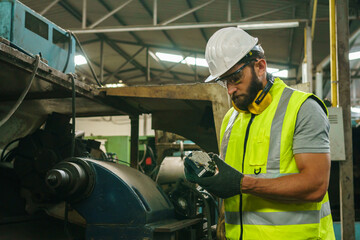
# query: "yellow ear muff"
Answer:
x=255 y=108
x=237 y=109
x=259 y=108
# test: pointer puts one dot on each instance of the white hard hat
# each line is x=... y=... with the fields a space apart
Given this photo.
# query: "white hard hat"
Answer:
x=225 y=48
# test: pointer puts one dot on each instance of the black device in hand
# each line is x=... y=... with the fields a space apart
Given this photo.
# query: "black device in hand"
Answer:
x=200 y=163
x=227 y=182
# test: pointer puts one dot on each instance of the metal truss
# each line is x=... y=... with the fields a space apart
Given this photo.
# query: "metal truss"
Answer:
x=163 y=25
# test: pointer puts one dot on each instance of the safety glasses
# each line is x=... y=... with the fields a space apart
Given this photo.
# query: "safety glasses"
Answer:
x=233 y=78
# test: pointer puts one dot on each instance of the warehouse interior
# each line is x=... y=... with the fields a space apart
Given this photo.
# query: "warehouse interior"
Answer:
x=113 y=92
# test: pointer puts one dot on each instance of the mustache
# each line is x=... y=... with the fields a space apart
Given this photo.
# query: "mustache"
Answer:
x=233 y=96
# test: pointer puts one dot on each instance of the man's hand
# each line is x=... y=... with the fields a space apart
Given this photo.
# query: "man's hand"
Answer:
x=226 y=183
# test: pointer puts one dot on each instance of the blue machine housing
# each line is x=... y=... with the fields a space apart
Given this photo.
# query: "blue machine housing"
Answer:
x=34 y=34
x=124 y=204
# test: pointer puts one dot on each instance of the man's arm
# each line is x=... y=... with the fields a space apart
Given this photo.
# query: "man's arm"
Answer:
x=310 y=185
x=311 y=152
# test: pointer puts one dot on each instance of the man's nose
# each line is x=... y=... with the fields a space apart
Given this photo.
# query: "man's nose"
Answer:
x=231 y=88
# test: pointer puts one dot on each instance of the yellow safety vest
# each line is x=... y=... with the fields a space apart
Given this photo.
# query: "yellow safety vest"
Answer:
x=266 y=140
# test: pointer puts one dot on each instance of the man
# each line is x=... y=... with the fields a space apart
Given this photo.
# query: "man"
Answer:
x=275 y=144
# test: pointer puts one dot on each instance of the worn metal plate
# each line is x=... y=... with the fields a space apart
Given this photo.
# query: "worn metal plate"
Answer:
x=49 y=92
x=194 y=111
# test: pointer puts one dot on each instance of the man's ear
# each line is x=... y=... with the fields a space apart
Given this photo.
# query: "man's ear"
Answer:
x=260 y=68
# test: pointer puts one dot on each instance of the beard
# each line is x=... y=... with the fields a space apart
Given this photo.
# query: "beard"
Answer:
x=244 y=100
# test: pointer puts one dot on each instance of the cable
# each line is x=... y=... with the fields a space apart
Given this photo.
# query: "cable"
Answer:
x=7 y=145
x=23 y=94
x=123 y=162
x=87 y=59
x=69 y=53
x=73 y=113
x=213 y=199
x=206 y=210
x=10 y=155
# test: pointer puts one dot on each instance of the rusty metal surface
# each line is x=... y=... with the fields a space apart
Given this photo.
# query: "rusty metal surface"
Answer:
x=49 y=92
x=194 y=111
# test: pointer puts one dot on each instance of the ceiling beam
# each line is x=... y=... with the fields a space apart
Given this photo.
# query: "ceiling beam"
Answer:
x=148 y=10
x=168 y=69
x=187 y=12
x=191 y=51
x=112 y=44
x=241 y=7
x=123 y=71
x=186 y=50
x=120 y=20
x=268 y=12
x=151 y=14
x=257 y=25
x=47 y=8
x=68 y=7
x=197 y=20
x=110 y=14
x=90 y=41
x=124 y=64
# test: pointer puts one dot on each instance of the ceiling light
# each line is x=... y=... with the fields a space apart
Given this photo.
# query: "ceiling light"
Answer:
x=355 y=110
x=274 y=25
x=354 y=55
x=80 y=60
x=169 y=57
x=178 y=58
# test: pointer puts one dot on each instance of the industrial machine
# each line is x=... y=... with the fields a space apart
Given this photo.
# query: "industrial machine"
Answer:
x=33 y=34
x=112 y=201
x=115 y=200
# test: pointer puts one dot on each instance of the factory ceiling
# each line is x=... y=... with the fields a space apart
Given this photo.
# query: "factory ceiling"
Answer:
x=132 y=34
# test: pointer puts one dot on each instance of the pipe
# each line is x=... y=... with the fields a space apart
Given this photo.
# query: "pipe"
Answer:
x=333 y=79
x=305 y=52
x=83 y=24
x=244 y=25
x=229 y=11
x=155 y=13
x=313 y=20
x=326 y=60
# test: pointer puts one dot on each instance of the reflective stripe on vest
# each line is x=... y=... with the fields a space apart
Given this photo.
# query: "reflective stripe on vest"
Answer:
x=280 y=218
x=226 y=137
x=273 y=161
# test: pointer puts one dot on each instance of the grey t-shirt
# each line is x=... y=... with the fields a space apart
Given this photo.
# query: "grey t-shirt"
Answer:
x=311 y=129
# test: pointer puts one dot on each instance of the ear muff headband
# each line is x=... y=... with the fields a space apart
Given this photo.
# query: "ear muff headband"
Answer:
x=270 y=82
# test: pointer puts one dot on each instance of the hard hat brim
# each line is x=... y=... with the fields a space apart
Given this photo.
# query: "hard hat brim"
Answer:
x=210 y=78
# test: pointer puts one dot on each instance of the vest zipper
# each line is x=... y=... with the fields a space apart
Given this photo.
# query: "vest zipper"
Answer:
x=242 y=170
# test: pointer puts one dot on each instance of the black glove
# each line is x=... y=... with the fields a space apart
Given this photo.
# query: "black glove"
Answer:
x=226 y=183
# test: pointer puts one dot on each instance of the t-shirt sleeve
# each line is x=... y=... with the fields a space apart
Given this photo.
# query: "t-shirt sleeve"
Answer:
x=311 y=129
